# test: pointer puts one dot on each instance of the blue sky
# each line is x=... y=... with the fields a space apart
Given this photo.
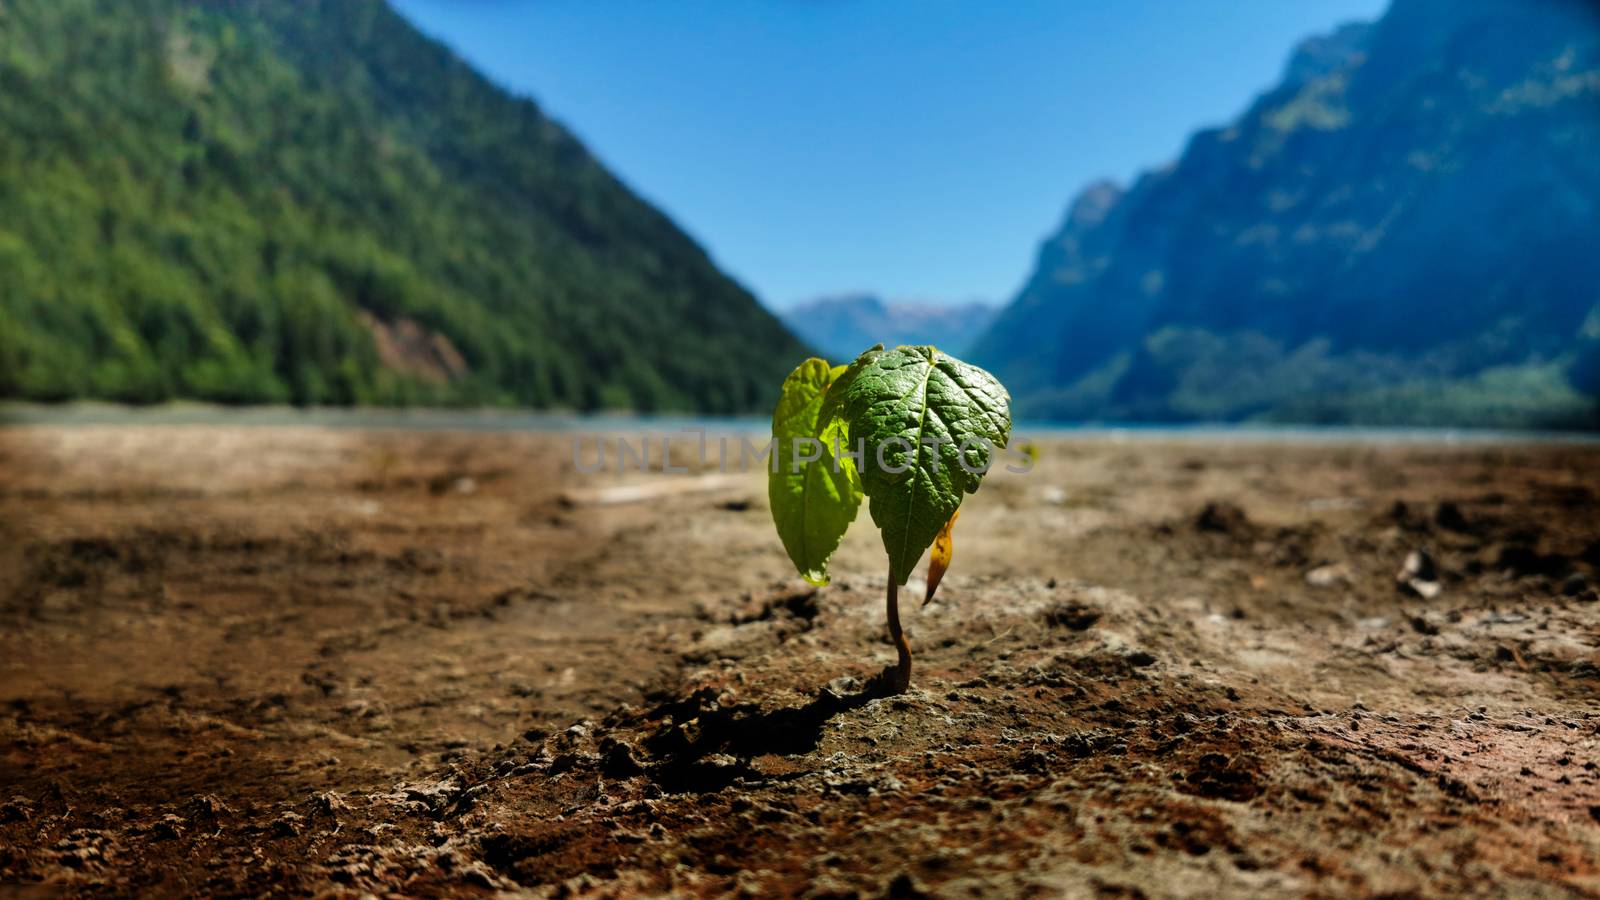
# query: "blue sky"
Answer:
x=920 y=149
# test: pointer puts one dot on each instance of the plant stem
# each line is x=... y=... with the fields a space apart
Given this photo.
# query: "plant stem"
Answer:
x=902 y=673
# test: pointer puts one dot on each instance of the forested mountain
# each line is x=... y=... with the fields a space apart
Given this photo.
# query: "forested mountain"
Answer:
x=1403 y=230
x=843 y=326
x=309 y=201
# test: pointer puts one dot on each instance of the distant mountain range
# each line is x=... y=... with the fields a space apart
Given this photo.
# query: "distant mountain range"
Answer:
x=841 y=327
x=1405 y=230
x=309 y=201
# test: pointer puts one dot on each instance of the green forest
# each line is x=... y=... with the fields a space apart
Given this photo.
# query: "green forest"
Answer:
x=230 y=201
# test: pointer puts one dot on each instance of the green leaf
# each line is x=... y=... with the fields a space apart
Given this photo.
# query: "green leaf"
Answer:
x=915 y=408
x=833 y=404
x=813 y=501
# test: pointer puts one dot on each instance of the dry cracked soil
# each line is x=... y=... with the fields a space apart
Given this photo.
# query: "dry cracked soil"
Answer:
x=282 y=660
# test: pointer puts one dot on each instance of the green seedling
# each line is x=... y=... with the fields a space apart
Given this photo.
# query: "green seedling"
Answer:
x=912 y=430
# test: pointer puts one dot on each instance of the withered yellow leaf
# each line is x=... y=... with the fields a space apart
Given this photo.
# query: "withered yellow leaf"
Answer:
x=944 y=548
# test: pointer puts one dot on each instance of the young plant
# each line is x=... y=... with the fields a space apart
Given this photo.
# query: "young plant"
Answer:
x=911 y=429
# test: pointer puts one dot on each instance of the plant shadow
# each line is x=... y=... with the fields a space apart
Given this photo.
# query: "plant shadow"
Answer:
x=703 y=747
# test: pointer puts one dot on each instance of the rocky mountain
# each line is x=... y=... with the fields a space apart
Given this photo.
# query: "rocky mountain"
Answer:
x=1403 y=230
x=309 y=201
x=843 y=326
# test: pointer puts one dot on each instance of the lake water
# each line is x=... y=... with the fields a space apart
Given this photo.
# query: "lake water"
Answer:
x=556 y=422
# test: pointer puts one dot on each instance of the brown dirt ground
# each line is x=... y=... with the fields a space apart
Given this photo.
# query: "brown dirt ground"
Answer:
x=243 y=661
